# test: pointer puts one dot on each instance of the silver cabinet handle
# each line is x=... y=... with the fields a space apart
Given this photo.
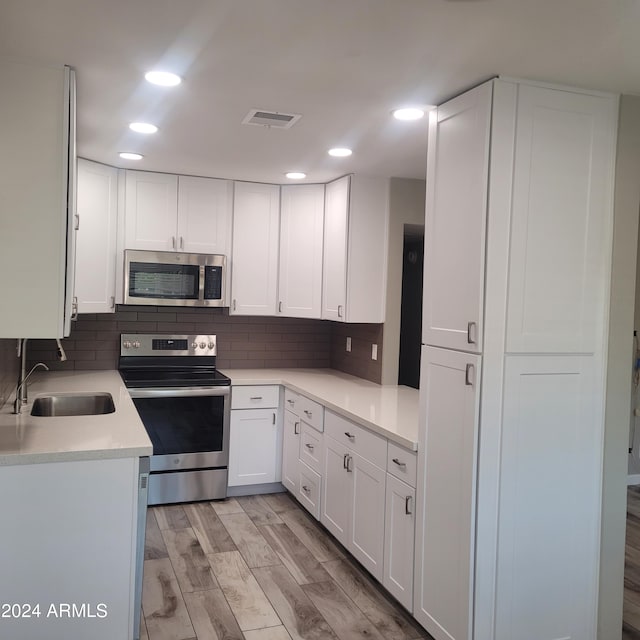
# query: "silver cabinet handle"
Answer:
x=339 y=311
x=349 y=435
x=400 y=464
x=407 y=502
x=113 y=302
x=306 y=489
x=471 y=328
x=181 y=242
x=74 y=308
x=280 y=307
x=274 y=418
x=173 y=242
x=349 y=459
x=309 y=446
x=296 y=432
x=234 y=304
x=344 y=461
x=291 y=402
x=468 y=375
x=255 y=398
x=77 y=227
x=308 y=413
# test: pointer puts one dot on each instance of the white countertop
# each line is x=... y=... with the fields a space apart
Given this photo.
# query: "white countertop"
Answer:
x=391 y=411
x=27 y=439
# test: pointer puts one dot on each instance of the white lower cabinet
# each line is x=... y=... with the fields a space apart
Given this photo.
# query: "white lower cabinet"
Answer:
x=290 y=452
x=255 y=439
x=399 y=536
x=353 y=500
x=309 y=491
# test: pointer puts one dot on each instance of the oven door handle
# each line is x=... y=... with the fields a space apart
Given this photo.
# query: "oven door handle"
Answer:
x=185 y=392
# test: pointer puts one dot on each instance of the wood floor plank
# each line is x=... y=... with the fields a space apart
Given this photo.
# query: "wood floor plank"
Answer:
x=310 y=534
x=211 y=616
x=229 y=505
x=258 y=509
x=300 y=562
x=298 y=614
x=211 y=534
x=171 y=517
x=164 y=609
x=249 y=541
x=348 y=622
x=154 y=546
x=248 y=602
x=189 y=561
x=271 y=633
x=387 y=617
x=280 y=502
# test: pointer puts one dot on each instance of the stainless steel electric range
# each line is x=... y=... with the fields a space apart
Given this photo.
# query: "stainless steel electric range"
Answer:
x=183 y=401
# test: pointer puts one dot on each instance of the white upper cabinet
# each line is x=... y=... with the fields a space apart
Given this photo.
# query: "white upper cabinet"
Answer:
x=301 y=226
x=37 y=205
x=562 y=181
x=254 y=256
x=151 y=209
x=355 y=249
x=456 y=211
x=204 y=215
x=96 y=238
x=164 y=212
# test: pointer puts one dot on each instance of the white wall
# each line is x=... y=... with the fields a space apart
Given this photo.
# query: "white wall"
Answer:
x=406 y=206
x=617 y=417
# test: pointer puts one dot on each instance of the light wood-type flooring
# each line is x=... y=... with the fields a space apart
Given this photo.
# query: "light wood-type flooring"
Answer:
x=258 y=568
x=631 y=615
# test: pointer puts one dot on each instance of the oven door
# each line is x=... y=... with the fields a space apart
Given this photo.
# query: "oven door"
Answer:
x=189 y=427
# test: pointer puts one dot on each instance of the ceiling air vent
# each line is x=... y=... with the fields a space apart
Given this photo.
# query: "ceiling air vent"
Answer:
x=275 y=119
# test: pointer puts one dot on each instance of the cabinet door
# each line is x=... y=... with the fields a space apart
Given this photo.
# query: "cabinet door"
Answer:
x=254 y=268
x=151 y=207
x=455 y=221
x=334 y=264
x=290 y=452
x=366 y=531
x=399 y=533
x=253 y=447
x=447 y=483
x=204 y=215
x=96 y=239
x=336 y=490
x=300 y=275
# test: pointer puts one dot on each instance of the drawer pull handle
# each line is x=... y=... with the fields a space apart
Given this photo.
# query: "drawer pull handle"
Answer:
x=344 y=461
x=468 y=377
x=274 y=418
x=309 y=446
x=296 y=431
x=400 y=464
x=407 y=502
x=349 y=459
x=306 y=489
x=290 y=401
x=307 y=412
x=349 y=435
x=471 y=328
x=255 y=398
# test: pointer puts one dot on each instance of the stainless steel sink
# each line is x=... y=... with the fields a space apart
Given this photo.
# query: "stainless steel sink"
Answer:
x=90 y=404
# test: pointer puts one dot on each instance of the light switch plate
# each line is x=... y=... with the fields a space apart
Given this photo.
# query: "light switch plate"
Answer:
x=374 y=351
x=348 y=347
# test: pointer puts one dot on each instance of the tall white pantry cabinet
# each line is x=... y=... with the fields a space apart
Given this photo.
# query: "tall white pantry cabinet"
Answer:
x=518 y=235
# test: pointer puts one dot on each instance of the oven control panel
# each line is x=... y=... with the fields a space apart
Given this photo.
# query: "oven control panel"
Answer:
x=162 y=345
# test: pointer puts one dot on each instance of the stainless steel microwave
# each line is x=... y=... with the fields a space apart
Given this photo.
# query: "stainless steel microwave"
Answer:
x=172 y=278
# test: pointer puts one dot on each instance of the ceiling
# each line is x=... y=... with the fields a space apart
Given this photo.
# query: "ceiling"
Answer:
x=342 y=64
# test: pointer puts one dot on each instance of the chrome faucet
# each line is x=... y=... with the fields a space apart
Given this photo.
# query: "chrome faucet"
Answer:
x=21 y=389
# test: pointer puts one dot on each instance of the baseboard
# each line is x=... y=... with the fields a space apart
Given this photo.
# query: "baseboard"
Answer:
x=255 y=489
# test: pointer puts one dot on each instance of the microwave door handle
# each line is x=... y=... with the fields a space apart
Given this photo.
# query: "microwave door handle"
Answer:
x=201 y=283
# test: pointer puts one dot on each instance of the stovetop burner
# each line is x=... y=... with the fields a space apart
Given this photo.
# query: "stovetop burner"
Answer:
x=145 y=378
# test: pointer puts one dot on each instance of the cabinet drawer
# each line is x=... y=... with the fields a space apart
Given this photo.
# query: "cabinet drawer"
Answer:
x=311 y=412
x=369 y=445
x=254 y=397
x=311 y=449
x=401 y=463
x=291 y=401
x=309 y=492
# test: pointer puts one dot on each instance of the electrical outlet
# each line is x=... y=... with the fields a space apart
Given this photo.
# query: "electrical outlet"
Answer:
x=348 y=347
x=374 y=351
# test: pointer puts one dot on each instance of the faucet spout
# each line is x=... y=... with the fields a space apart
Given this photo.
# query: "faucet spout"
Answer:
x=21 y=389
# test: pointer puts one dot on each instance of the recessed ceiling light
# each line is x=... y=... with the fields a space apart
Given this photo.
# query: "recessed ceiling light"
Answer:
x=126 y=155
x=340 y=152
x=295 y=175
x=408 y=113
x=163 y=78
x=143 y=127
